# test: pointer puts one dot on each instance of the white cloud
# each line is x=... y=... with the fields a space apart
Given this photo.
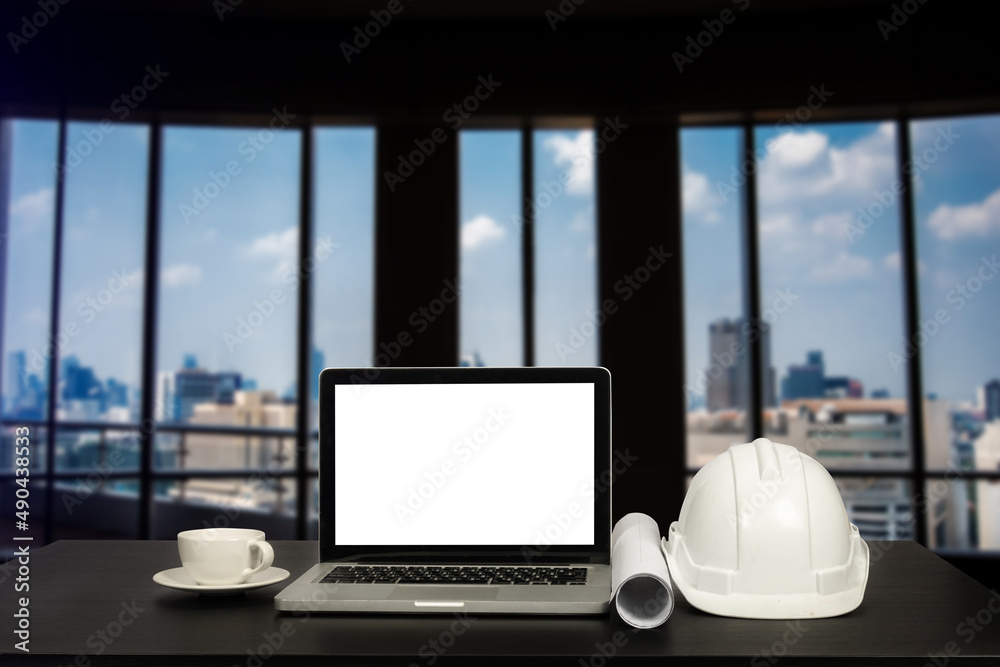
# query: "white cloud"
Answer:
x=181 y=275
x=481 y=230
x=805 y=164
x=33 y=208
x=833 y=225
x=283 y=245
x=698 y=197
x=981 y=219
x=795 y=149
x=577 y=155
x=842 y=268
x=776 y=225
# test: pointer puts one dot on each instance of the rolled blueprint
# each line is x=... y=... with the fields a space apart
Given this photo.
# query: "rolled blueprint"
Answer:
x=640 y=583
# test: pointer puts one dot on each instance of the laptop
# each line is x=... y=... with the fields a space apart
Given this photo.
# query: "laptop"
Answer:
x=478 y=490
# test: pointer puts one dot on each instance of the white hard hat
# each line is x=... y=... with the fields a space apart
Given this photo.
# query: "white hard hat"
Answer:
x=763 y=533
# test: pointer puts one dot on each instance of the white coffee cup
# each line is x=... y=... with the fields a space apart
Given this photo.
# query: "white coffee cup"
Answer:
x=221 y=556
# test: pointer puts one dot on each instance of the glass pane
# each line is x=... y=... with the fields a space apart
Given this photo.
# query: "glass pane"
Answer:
x=566 y=307
x=491 y=324
x=27 y=347
x=266 y=504
x=961 y=514
x=344 y=257
x=210 y=451
x=104 y=219
x=831 y=291
x=116 y=451
x=717 y=379
x=94 y=508
x=881 y=507
x=956 y=168
x=20 y=443
x=228 y=262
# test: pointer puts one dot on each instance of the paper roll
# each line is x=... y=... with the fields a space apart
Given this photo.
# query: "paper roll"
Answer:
x=640 y=582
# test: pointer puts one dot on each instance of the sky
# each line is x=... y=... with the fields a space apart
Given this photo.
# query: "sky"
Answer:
x=228 y=274
x=843 y=268
x=229 y=211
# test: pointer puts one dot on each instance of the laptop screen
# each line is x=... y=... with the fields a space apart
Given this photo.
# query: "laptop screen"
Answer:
x=440 y=461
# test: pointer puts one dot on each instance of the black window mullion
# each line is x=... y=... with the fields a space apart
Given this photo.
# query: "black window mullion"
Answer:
x=304 y=360
x=751 y=287
x=147 y=409
x=911 y=314
x=6 y=150
x=528 y=243
x=55 y=296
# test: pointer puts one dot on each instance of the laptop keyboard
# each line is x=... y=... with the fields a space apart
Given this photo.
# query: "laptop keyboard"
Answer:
x=447 y=574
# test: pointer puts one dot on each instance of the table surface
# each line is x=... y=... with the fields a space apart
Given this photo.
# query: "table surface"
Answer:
x=916 y=606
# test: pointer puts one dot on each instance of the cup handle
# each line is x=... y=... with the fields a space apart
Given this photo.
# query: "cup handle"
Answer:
x=266 y=558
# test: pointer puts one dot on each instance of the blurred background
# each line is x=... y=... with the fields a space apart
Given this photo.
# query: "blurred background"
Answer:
x=764 y=219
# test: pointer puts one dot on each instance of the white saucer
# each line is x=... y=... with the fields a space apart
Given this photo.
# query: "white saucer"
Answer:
x=179 y=579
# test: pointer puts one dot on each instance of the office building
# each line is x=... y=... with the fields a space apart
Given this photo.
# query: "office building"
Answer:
x=727 y=375
x=992 y=400
x=193 y=385
x=987 y=448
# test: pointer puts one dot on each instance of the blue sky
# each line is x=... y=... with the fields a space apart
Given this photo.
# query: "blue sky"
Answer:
x=223 y=264
x=848 y=283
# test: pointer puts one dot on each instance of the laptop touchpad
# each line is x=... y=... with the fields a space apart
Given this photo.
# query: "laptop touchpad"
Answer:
x=431 y=593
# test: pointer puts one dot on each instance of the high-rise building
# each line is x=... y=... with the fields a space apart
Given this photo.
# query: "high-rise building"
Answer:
x=844 y=387
x=728 y=374
x=992 y=400
x=987 y=453
x=15 y=386
x=804 y=381
x=193 y=385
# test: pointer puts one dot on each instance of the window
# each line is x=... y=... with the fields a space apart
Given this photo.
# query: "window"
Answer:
x=717 y=382
x=837 y=370
x=30 y=212
x=565 y=248
x=491 y=324
x=956 y=168
x=225 y=385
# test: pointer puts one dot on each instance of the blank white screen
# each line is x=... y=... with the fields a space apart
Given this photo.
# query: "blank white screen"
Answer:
x=464 y=464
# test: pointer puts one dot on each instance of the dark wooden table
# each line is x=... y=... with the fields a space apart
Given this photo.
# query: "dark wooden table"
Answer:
x=94 y=602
